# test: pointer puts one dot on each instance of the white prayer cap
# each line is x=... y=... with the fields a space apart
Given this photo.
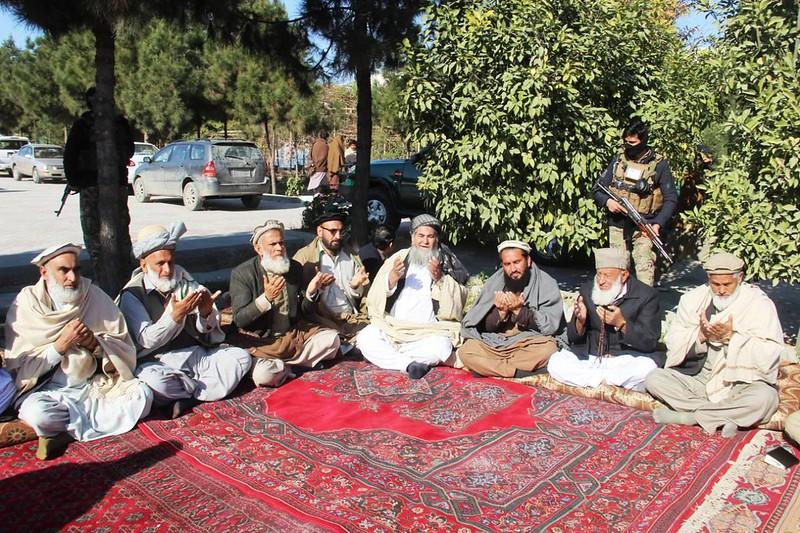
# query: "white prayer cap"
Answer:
x=611 y=258
x=525 y=247
x=268 y=225
x=156 y=237
x=723 y=263
x=49 y=253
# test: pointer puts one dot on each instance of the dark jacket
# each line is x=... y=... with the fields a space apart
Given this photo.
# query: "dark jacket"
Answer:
x=642 y=314
x=663 y=180
x=371 y=259
x=247 y=284
x=80 y=152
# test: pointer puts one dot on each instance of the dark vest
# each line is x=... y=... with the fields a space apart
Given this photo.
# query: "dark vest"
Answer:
x=155 y=304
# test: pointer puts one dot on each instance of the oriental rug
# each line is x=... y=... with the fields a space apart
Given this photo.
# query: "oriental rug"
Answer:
x=356 y=448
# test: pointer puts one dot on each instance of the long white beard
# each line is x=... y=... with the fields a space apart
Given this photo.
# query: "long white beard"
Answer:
x=606 y=297
x=275 y=266
x=422 y=256
x=723 y=302
x=162 y=285
x=62 y=296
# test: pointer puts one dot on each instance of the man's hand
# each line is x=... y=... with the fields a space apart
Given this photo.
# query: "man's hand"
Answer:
x=274 y=287
x=435 y=268
x=720 y=332
x=656 y=228
x=319 y=282
x=71 y=335
x=181 y=308
x=615 y=207
x=501 y=303
x=360 y=278
x=612 y=315
x=580 y=313
x=206 y=303
x=515 y=302
x=398 y=271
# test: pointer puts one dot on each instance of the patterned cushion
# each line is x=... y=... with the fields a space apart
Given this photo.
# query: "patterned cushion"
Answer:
x=788 y=386
x=15 y=432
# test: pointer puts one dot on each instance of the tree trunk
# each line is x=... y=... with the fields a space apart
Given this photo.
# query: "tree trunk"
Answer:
x=269 y=140
x=363 y=63
x=113 y=259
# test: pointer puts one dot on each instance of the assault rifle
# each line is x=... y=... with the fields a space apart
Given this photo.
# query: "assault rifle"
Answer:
x=639 y=220
x=67 y=191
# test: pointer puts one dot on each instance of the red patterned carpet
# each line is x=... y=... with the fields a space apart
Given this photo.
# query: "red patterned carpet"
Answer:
x=355 y=448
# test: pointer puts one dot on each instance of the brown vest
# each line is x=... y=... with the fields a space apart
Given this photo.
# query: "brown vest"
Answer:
x=627 y=173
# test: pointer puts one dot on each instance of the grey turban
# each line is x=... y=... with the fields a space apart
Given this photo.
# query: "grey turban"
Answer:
x=156 y=237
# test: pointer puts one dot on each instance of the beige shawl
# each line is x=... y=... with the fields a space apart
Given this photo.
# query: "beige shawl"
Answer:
x=32 y=326
x=753 y=352
x=447 y=292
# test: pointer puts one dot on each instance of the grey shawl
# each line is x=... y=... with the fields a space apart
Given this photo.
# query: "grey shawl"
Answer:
x=542 y=297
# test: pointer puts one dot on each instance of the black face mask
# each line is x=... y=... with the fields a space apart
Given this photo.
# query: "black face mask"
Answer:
x=635 y=152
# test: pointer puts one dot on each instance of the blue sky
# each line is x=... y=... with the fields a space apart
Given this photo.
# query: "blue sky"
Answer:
x=19 y=32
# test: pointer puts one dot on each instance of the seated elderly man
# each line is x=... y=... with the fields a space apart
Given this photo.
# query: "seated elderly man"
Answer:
x=339 y=303
x=509 y=331
x=269 y=305
x=723 y=351
x=415 y=305
x=175 y=324
x=614 y=331
x=71 y=357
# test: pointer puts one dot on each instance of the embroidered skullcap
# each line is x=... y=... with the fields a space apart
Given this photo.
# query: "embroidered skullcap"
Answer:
x=156 y=237
x=53 y=251
x=723 y=263
x=425 y=220
x=611 y=258
x=268 y=225
x=525 y=247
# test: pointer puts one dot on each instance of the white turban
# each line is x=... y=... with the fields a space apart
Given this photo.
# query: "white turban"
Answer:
x=155 y=237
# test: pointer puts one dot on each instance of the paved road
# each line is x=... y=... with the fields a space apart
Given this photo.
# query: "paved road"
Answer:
x=29 y=222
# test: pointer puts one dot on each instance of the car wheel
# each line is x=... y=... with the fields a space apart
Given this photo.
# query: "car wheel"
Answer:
x=35 y=175
x=15 y=174
x=380 y=210
x=139 y=191
x=191 y=197
x=251 y=201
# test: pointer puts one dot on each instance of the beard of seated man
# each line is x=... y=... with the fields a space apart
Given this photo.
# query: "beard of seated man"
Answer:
x=163 y=284
x=601 y=297
x=62 y=295
x=517 y=285
x=723 y=302
x=275 y=265
x=421 y=256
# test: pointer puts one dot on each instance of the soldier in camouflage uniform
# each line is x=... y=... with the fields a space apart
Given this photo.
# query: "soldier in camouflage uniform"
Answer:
x=642 y=176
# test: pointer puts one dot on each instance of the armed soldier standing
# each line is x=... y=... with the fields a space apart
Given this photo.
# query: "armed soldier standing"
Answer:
x=641 y=176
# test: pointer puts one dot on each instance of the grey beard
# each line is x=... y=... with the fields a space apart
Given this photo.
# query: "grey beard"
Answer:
x=723 y=302
x=422 y=256
x=275 y=266
x=162 y=285
x=62 y=296
x=602 y=297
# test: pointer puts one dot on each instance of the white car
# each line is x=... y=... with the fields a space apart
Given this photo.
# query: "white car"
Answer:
x=9 y=144
x=140 y=151
x=42 y=162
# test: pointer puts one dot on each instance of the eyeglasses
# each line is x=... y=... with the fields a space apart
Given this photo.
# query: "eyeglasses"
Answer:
x=334 y=231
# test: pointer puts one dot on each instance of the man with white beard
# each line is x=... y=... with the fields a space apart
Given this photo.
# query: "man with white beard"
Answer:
x=71 y=358
x=415 y=305
x=723 y=351
x=175 y=324
x=615 y=326
x=271 y=310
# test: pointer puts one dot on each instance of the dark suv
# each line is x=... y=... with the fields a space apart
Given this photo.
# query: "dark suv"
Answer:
x=200 y=169
x=393 y=192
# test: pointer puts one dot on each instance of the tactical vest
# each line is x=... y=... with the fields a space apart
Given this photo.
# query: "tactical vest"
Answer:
x=156 y=304
x=627 y=173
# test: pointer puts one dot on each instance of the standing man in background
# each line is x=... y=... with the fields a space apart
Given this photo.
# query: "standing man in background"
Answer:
x=642 y=176
x=318 y=168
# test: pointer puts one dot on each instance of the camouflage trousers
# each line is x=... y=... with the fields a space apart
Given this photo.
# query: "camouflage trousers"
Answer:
x=642 y=255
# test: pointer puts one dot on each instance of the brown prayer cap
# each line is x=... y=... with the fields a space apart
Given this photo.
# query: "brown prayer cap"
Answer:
x=611 y=258
x=723 y=263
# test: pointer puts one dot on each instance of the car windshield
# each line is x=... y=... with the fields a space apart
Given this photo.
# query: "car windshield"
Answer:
x=245 y=152
x=12 y=144
x=144 y=149
x=48 y=152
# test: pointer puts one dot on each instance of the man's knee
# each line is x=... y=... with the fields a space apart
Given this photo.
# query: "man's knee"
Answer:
x=46 y=416
x=232 y=359
x=269 y=372
x=792 y=426
x=657 y=379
